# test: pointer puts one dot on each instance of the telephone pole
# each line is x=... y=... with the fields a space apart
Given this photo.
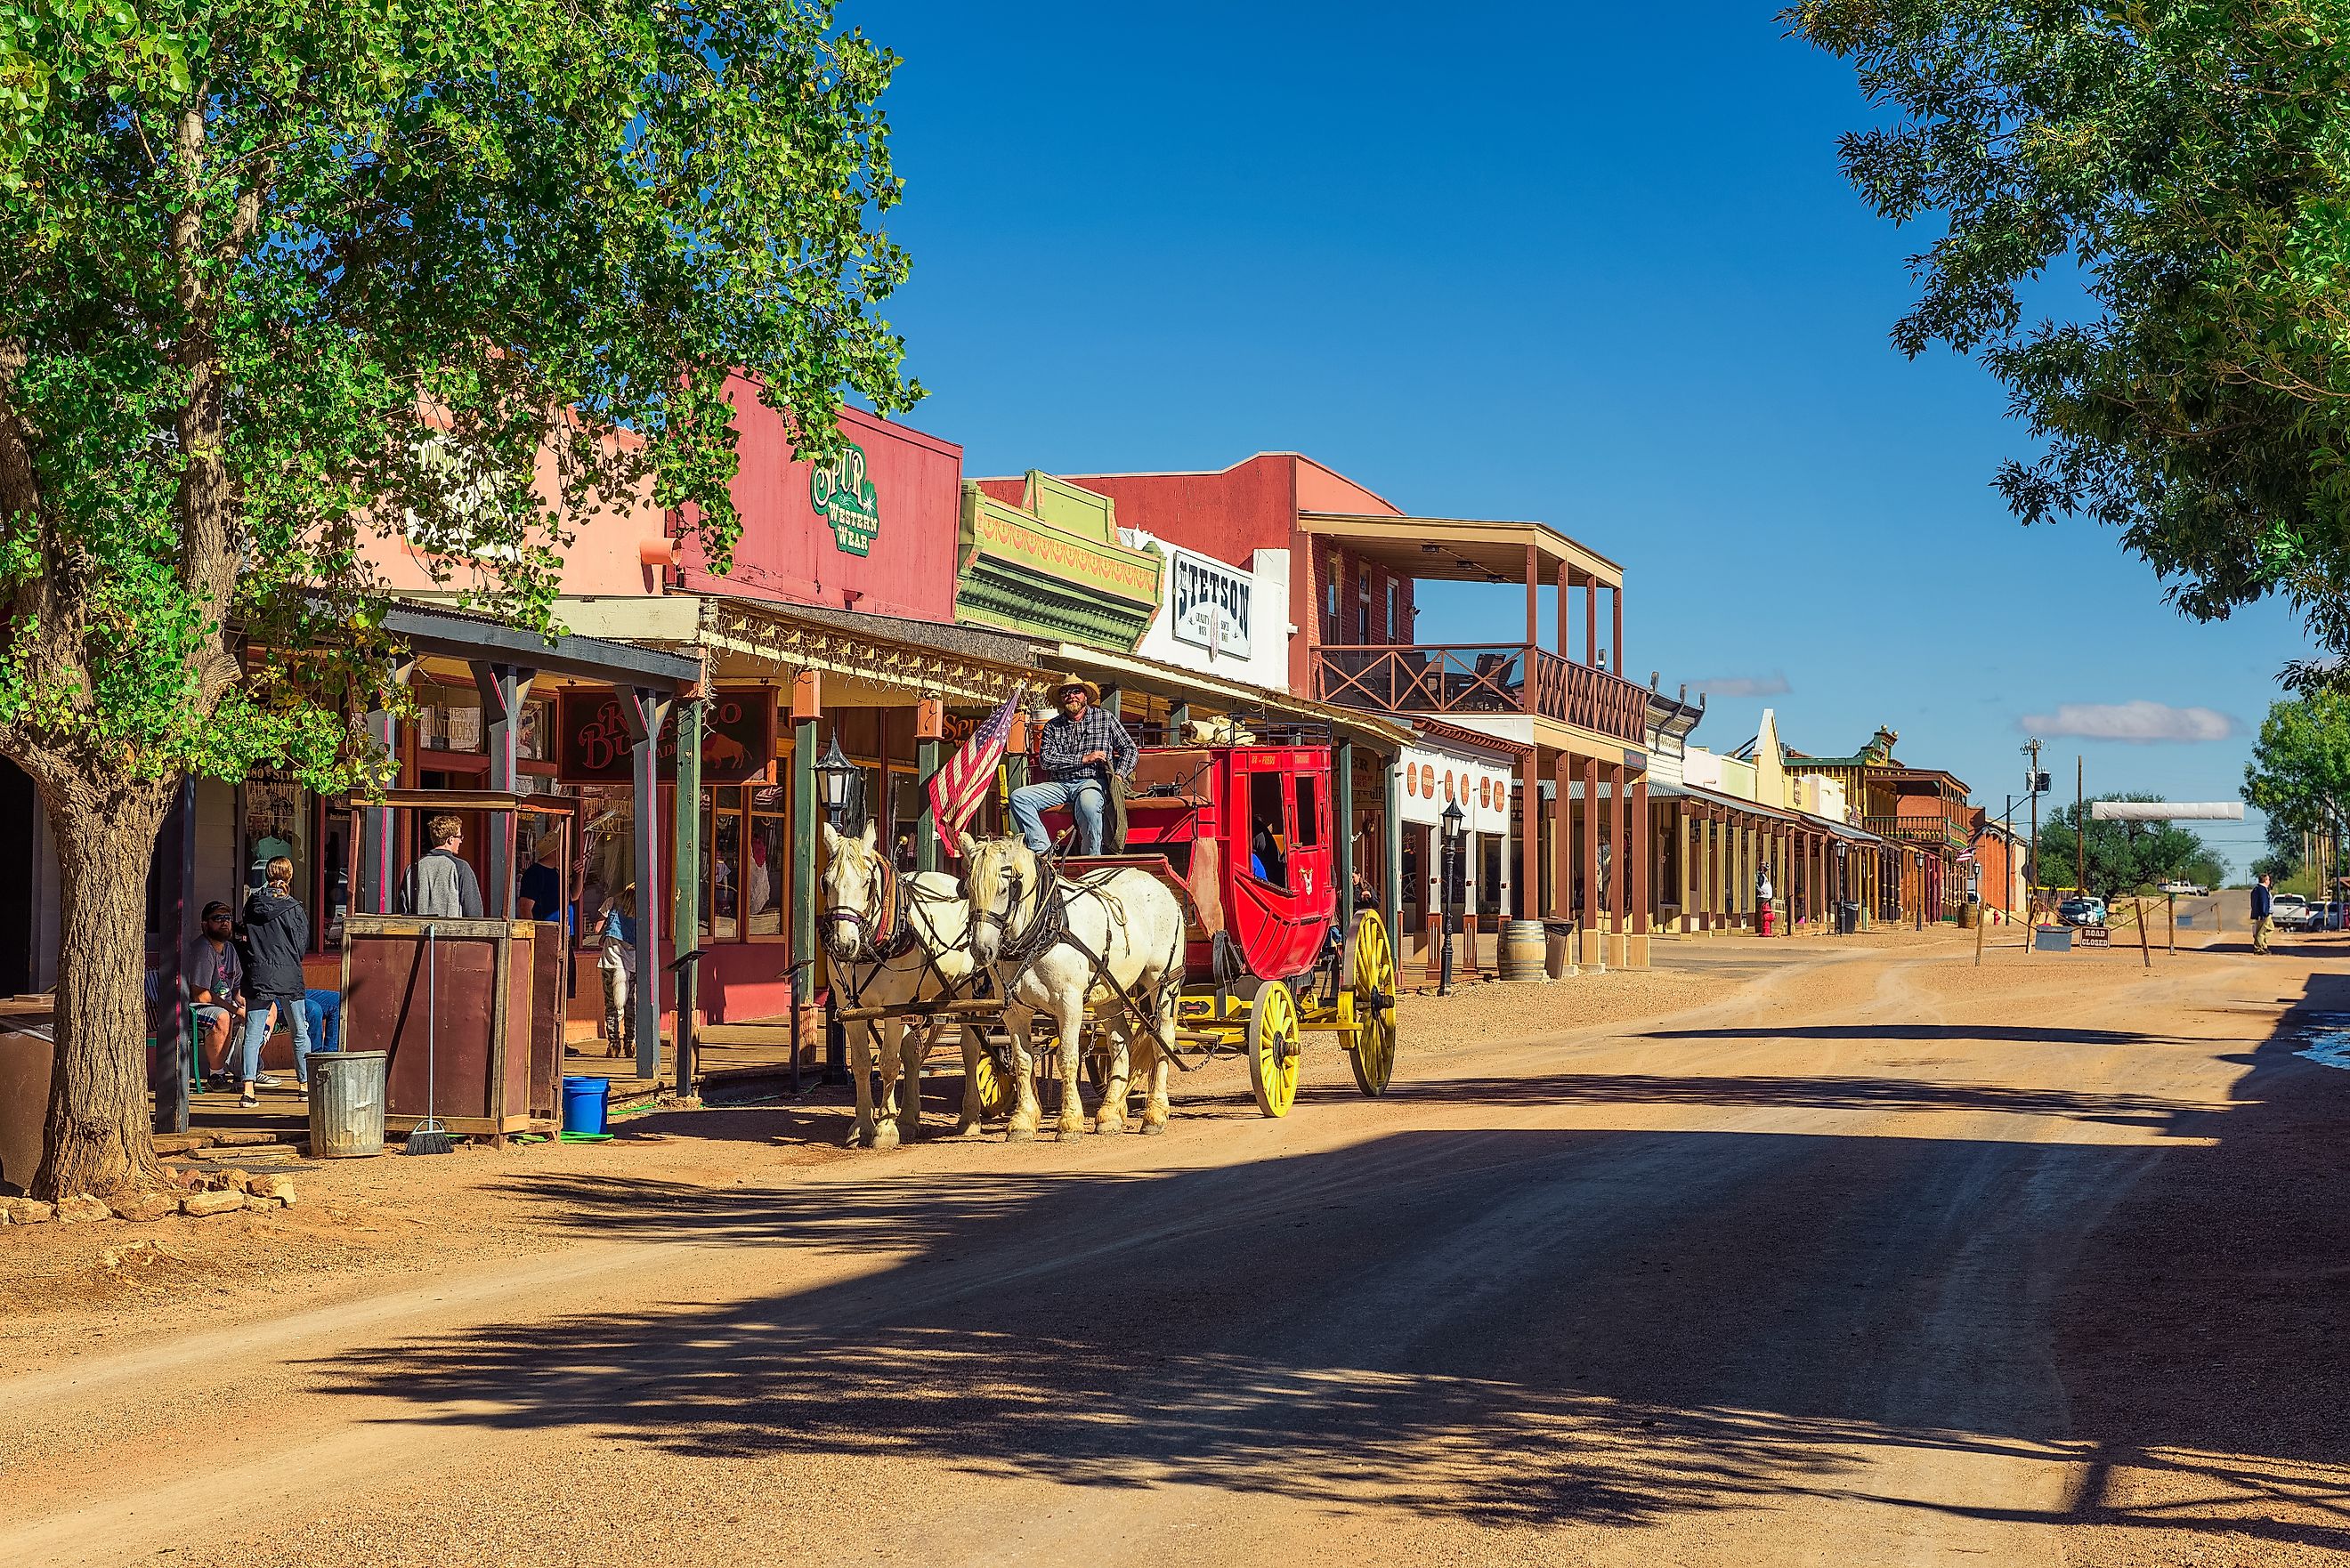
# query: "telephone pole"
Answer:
x=2080 y=834
x=2031 y=788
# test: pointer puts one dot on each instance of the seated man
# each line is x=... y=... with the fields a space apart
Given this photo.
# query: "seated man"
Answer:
x=1082 y=746
x=214 y=972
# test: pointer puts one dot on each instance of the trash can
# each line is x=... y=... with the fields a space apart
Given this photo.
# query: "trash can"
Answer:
x=583 y=1104
x=1847 y=918
x=1558 y=948
x=346 y=1104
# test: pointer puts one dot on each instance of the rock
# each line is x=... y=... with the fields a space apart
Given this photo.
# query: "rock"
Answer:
x=239 y=1137
x=81 y=1209
x=203 y=1204
x=231 y=1180
x=143 y=1207
x=28 y=1211
x=181 y=1143
x=277 y=1187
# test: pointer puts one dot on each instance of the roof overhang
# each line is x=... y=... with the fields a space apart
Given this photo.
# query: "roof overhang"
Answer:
x=1463 y=549
x=436 y=631
x=1173 y=682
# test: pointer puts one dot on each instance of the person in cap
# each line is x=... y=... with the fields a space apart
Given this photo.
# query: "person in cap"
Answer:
x=214 y=970
x=1082 y=746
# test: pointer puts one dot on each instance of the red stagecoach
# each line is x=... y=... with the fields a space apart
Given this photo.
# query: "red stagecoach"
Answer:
x=1244 y=834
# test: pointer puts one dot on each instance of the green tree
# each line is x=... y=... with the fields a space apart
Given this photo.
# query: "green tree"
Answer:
x=275 y=274
x=2188 y=165
x=2123 y=856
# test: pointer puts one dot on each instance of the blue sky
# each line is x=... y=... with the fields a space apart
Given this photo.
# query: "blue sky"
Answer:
x=1594 y=265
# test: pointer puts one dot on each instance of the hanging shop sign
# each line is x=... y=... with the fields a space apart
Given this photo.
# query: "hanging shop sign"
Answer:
x=738 y=738
x=843 y=495
x=1432 y=779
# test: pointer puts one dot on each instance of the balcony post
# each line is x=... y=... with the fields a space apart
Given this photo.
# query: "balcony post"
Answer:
x=1533 y=605
x=1562 y=840
x=1644 y=854
x=1620 y=860
x=1593 y=954
x=1529 y=900
x=1590 y=622
x=1615 y=642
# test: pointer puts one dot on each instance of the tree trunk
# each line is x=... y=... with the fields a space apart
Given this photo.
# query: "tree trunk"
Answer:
x=100 y=1135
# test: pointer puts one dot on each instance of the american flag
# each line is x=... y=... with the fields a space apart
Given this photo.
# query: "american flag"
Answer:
x=963 y=781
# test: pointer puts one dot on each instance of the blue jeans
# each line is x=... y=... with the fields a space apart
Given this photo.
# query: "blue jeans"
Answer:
x=256 y=1033
x=325 y=1010
x=1083 y=796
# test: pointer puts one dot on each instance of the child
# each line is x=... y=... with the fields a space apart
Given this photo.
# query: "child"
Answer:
x=616 y=960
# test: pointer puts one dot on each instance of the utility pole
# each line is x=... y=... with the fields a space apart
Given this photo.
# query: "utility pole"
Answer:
x=2031 y=888
x=2080 y=833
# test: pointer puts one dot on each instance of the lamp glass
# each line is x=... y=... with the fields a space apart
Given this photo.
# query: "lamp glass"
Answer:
x=833 y=774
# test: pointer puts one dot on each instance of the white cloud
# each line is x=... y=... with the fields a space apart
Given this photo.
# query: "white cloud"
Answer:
x=1771 y=685
x=2141 y=722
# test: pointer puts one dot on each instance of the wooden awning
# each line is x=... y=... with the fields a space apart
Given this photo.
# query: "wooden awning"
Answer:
x=1463 y=549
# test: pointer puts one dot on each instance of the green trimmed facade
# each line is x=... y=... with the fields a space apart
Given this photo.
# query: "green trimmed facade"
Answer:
x=1052 y=566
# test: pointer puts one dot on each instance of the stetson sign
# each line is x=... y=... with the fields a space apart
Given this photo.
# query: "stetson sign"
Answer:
x=1210 y=603
x=842 y=494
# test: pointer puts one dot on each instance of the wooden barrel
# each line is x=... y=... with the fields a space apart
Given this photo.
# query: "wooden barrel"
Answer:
x=1525 y=950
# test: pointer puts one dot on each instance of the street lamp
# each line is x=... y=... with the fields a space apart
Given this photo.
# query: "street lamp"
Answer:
x=1449 y=875
x=836 y=776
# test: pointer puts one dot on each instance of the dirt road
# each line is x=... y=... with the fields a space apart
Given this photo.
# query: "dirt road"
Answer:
x=1875 y=1259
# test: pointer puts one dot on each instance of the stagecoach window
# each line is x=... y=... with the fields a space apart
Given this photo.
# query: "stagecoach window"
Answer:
x=1309 y=811
x=1268 y=840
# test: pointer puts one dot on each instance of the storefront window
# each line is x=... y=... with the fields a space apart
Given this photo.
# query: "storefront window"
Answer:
x=767 y=865
x=722 y=866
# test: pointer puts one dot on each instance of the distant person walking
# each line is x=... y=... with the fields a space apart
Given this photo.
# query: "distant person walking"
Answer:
x=278 y=931
x=441 y=886
x=616 y=962
x=2263 y=909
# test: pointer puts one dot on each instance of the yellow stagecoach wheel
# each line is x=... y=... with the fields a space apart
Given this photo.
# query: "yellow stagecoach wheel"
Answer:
x=1273 y=1051
x=1370 y=975
x=997 y=1093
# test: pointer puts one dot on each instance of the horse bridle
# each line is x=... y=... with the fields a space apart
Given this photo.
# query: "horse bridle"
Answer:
x=882 y=927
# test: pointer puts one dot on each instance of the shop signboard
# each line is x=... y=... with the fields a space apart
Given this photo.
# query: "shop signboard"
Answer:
x=738 y=738
x=1433 y=777
x=843 y=496
x=1210 y=603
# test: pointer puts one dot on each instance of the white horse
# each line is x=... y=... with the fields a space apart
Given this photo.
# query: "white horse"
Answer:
x=876 y=962
x=1026 y=915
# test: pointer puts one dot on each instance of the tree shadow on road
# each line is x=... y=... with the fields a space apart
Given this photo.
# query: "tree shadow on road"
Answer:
x=1501 y=1326
x=1843 y=1093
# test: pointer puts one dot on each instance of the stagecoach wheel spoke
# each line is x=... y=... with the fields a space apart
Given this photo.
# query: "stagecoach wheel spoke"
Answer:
x=997 y=1091
x=1370 y=974
x=1273 y=1054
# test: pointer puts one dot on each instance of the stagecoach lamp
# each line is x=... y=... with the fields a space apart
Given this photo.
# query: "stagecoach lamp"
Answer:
x=1452 y=821
x=835 y=775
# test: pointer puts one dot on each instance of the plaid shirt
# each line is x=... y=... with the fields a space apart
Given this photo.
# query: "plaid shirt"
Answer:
x=1095 y=730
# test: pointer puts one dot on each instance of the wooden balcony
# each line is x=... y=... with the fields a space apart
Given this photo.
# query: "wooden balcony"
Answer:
x=1935 y=830
x=1482 y=678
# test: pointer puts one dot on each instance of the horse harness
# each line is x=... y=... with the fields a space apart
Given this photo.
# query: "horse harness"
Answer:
x=1049 y=927
x=885 y=932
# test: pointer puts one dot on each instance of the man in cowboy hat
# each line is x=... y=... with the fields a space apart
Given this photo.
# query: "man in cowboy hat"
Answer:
x=1082 y=746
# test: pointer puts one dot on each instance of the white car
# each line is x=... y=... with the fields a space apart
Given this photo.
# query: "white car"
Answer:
x=2183 y=889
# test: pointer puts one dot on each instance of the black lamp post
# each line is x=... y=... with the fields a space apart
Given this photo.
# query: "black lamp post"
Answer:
x=836 y=776
x=1449 y=874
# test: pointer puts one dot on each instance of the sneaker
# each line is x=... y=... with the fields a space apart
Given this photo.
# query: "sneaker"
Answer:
x=249 y=1099
x=266 y=1082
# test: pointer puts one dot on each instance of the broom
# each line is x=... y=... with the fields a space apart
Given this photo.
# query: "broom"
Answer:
x=430 y=1136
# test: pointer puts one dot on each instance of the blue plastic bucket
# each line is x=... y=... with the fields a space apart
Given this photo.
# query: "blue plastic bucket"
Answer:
x=584 y=1100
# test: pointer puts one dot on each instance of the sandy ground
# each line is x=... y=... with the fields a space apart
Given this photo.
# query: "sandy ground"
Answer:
x=1781 y=1253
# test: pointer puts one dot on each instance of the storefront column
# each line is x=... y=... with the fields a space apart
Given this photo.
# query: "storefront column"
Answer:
x=1621 y=855
x=807 y=696
x=1644 y=854
x=1179 y=719
x=685 y=917
x=1594 y=940
x=379 y=840
x=1562 y=836
x=1342 y=824
x=1529 y=899
x=643 y=711
x=930 y=731
x=503 y=689
x=1015 y=755
x=1391 y=832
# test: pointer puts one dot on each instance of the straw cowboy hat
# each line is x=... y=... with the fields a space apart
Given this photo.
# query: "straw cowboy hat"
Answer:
x=1078 y=683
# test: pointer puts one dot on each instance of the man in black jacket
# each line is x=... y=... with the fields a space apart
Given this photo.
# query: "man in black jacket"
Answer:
x=278 y=932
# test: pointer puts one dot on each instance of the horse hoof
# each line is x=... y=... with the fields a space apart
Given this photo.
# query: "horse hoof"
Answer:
x=1019 y=1134
x=1106 y=1127
x=970 y=1130
x=1072 y=1129
x=1152 y=1130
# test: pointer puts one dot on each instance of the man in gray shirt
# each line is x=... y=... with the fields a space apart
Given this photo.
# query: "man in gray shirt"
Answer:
x=441 y=885
x=215 y=971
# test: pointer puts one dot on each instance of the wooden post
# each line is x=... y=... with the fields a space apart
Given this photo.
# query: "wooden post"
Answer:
x=2145 y=947
x=2170 y=918
x=1342 y=824
x=685 y=917
x=1644 y=849
x=503 y=689
x=1980 y=923
x=1566 y=647
x=1533 y=606
x=1615 y=644
x=1015 y=754
x=930 y=728
x=1391 y=832
x=1562 y=839
x=1590 y=626
x=1592 y=943
x=643 y=713
x=1620 y=858
x=1530 y=844
x=1179 y=717
x=808 y=701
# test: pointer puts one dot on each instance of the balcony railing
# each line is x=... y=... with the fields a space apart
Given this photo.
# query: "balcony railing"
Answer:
x=1917 y=829
x=1482 y=678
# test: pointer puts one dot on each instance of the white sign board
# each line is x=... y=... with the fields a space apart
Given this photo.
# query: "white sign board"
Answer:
x=1210 y=603
x=1433 y=777
x=2166 y=811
